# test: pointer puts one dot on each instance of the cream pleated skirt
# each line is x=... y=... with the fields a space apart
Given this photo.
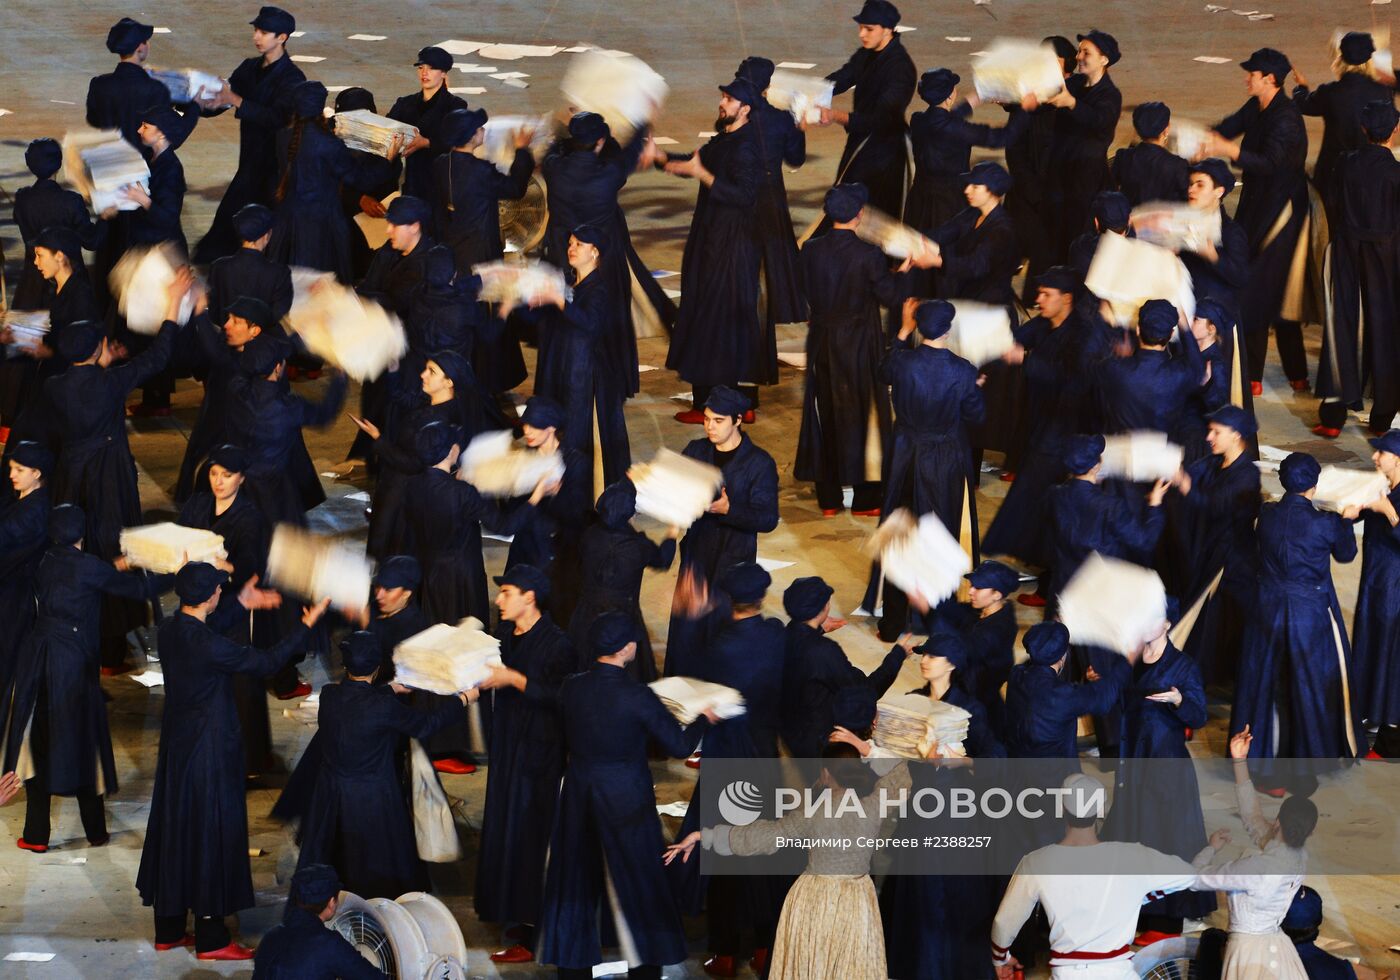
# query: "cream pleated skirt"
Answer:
x=1261 y=957
x=830 y=928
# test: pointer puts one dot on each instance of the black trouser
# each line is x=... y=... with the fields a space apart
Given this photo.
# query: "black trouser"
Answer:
x=702 y=394
x=731 y=914
x=1170 y=924
x=643 y=972
x=37 y=796
x=830 y=496
x=210 y=932
x=285 y=681
x=1288 y=335
x=1332 y=414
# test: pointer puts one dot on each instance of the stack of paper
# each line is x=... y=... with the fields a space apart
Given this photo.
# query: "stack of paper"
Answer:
x=687 y=698
x=140 y=281
x=907 y=725
x=187 y=84
x=1187 y=139
x=805 y=96
x=622 y=89
x=356 y=335
x=100 y=164
x=363 y=130
x=494 y=465
x=981 y=333
x=520 y=284
x=1141 y=457
x=498 y=139
x=164 y=548
x=316 y=567
x=1176 y=226
x=27 y=329
x=919 y=556
x=1010 y=69
x=897 y=240
x=1128 y=273
x=1339 y=488
x=674 y=488
x=1113 y=604
x=446 y=659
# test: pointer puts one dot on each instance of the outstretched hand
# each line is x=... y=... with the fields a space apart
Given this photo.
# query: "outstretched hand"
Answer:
x=311 y=615
x=681 y=848
x=1239 y=744
x=251 y=597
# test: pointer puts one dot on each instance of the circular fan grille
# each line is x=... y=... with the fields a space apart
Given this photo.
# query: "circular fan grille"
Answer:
x=363 y=931
x=1172 y=970
x=523 y=221
x=1169 y=959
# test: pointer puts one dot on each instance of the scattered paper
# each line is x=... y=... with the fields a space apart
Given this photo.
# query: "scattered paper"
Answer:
x=1210 y=59
x=468 y=90
x=1339 y=948
x=79 y=860
x=516 y=82
x=663 y=273
x=505 y=75
x=329 y=474
x=460 y=47
x=507 y=538
x=366 y=37
x=308 y=58
x=42 y=958
x=333 y=89
x=1212 y=8
x=959 y=40
x=514 y=52
x=1381 y=3
x=863 y=613
x=520 y=409
x=477 y=69
x=663 y=141
x=358 y=496
x=799 y=65
x=703 y=136
x=1261 y=16
x=149 y=678
x=672 y=293
x=772 y=564
x=901 y=29
x=797 y=358
x=298 y=34
x=576 y=49
x=644 y=368
x=676 y=809
x=5 y=112
x=610 y=969
x=160 y=30
x=683 y=396
x=1272 y=453
x=62 y=102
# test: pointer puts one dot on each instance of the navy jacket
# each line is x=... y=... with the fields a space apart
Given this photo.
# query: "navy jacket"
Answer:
x=747 y=655
x=978 y=259
x=248 y=272
x=45 y=204
x=716 y=541
x=1043 y=708
x=466 y=195
x=427 y=116
x=1150 y=389
x=303 y=948
x=1221 y=280
x=884 y=83
x=1148 y=172
x=117 y=100
x=815 y=668
x=1086 y=517
x=161 y=221
x=1339 y=104
x=1272 y=157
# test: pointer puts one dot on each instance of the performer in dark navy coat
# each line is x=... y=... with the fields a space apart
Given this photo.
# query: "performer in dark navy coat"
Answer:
x=444 y=314
x=396 y=268
x=1273 y=209
x=58 y=255
x=1294 y=690
x=978 y=253
x=353 y=201
x=1376 y=626
x=426 y=111
x=727 y=534
x=162 y=131
x=1149 y=390
x=53 y=717
x=604 y=884
x=397 y=613
x=1217 y=338
x=986 y=626
x=1301 y=924
x=260 y=93
x=527 y=756
x=718 y=339
x=47 y=204
x=195 y=856
x=846 y=418
x=358 y=820
x=24 y=536
x=117 y=99
x=250 y=271
x=301 y=947
x=884 y=79
x=1218 y=270
x=1148 y=171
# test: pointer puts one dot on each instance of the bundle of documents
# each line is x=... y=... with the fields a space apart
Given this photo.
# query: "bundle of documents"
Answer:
x=446 y=659
x=1141 y=457
x=909 y=724
x=1128 y=273
x=498 y=139
x=1339 y=488
x=981 y=333
x=1113 y=604
x=897 y=240
x=26 y=329
x=1176 y=226
x=140 y=280
x=521 y=284
x=674 y=488
x=1011 y=69
x=622 y=89
x=497 y=468
x=1187 y=139
x=164 y=548
x=315 y=567
x=100 y=164
x=369 y=132
x=687 y=698
x=356 y=335
x=805 y=96
x=187 y=84
x=919 y=556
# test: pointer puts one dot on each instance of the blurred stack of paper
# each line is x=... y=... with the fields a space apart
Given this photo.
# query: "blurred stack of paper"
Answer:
x=1339 y=488
x=1128 y=273
x=140 y=281
x=981 y=333
x=1142 y=457
x=315 y=567
x=187 y=84
x=520 y=284
x=497 y=468
x=357 y=335
x=897 y=240
x=1010 y=69
x=907 y=725
x=99 y=164
x=675 y=489
x=919 y=556
x=622 y=89
x=1113 y=604
x=446 y=659
x=687 y=698
x=1176 y=226
x=164 y=548
x=498 y=139
x=1187 y=139
x=361 y=129
x=805 y=96
x=27 y=329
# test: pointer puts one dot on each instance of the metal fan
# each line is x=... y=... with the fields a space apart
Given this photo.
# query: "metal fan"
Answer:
x=523 y=221
x=1169 y=959
x=414 y=938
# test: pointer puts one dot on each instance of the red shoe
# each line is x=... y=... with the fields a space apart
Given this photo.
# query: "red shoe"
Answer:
x=186 y=940
x=721 y=966
x=24 y=845
x=232 y=951
x=4 y=433
x=830 y=511
x=1256 y=388
x=694 y=763
x=748 y=417
x=1033 y=599
x=1153 y=936
x=1373 y=754
x=872 y=512
x=1277 y=792
x=759 y=963
x=115 y=671
x=515 y=954
x=454 y=767
x=1007 y=477
x=144 y=411
x=300 y=691
x=691 y=416
x=1326 y=431
x=1301 y=385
